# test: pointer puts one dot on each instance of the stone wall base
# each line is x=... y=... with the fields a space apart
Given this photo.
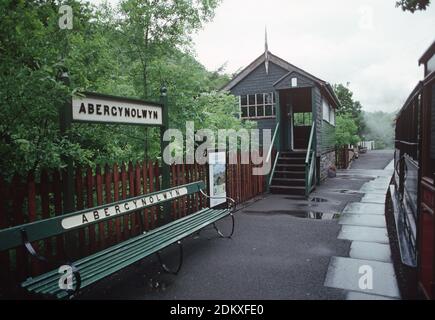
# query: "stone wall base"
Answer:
x=326 y=161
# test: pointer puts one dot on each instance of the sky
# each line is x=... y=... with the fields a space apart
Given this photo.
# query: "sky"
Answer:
x=370 y=44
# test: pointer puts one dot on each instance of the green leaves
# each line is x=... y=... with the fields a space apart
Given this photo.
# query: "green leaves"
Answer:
x=346 y=131
x=349 y=106
x=413 y=5
x=128 y=51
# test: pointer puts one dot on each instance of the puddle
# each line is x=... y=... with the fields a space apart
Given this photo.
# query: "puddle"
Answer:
x=305 y=205
x=157 y=286
x=317 y=199
x=351 y=192
x=314 y=215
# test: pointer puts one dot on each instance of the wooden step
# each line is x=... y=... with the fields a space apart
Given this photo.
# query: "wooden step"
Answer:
x=291 y=160
x=294 y=190
x=290 y=174
x=288 y=182
x=293 y=154
x=290 y=167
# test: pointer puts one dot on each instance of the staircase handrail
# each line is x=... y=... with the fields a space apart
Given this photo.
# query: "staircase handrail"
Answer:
x=309 y=162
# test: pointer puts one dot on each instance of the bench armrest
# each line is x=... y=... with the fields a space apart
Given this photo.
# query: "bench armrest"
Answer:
x=231 y=203
x=34 y=254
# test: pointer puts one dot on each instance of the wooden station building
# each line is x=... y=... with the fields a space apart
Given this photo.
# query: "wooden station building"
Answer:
x=301 y=108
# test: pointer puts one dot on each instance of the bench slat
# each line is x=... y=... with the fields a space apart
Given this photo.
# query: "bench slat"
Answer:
x=111 y=269
x=118 y=247
x=122 y=262
x=140 y=247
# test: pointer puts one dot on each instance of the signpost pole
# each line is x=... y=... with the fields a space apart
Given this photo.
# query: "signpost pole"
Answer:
x=65 y=114
x=65 y=117
x=163 y=144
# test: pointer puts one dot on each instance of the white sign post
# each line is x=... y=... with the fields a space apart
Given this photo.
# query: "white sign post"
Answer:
x=217 y=177
x=107 y=109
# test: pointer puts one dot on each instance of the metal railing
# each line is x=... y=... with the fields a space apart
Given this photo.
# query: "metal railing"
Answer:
x=269 y=157
x=310 y=168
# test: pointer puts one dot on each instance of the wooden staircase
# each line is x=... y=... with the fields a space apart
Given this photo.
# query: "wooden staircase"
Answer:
x=289 y=175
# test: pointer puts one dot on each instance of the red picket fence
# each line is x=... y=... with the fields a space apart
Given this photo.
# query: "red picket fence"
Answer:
x=28 y=198
x=344 y=157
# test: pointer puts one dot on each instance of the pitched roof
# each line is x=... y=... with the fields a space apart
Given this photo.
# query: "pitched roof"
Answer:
x=285 y=65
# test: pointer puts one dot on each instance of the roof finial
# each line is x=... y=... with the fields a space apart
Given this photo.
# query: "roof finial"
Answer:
x=266 y=51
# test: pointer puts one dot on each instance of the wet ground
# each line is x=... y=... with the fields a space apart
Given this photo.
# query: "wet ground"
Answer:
x=282 y=249
x=368 y=272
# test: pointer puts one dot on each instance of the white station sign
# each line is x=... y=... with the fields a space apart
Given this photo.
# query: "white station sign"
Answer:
x=96 y=108
x=111 y=211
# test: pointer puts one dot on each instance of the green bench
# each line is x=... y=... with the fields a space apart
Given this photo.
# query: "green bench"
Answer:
x=87 y=271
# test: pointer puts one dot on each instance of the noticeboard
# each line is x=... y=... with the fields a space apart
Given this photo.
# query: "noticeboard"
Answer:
x=217 y=177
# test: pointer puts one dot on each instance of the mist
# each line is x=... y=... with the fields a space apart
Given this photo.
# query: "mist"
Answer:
x=379 y=127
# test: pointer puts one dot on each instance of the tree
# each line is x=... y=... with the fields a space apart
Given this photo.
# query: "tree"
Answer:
x=413 y=5
x=349 y=106
x=33 y=50
x=154 y=28
x=346 y=130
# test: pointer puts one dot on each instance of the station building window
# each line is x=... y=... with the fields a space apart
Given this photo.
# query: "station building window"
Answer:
x=257 y=106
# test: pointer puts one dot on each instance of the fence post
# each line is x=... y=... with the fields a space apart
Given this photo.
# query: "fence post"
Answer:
x=31 y=211
x=165 y=167
x=4 y=223
x=116 y=198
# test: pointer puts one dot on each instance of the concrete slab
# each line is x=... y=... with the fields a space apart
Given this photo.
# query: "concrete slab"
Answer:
x=367 y=172
x=370 y=251
x=390 y=166
x=367 y=234
x=364 y=208
x=370 y=189
x=367 y=220
x=376 y=186
x=352 y=274
x=373 y=198
x=352 y=295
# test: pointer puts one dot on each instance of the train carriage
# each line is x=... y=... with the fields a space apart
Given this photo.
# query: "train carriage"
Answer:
x=413 y=189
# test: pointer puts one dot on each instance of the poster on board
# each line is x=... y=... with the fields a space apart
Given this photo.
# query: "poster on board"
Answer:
x=217 y=177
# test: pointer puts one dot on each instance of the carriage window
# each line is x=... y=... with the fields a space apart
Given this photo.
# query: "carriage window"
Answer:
x=260 y=105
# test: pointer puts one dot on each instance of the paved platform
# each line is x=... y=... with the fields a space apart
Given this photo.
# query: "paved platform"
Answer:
x=347 y=273
x=282 y=249
x=370 y=251
x=363 y=220
x=364 y=224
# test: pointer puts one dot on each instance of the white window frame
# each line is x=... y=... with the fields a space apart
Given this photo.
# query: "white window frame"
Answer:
x=332 y=116
x=325 y=110
x=256 y=105
x=328 y=112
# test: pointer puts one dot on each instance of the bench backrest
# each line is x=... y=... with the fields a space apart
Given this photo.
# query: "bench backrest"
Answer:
x=42 y=229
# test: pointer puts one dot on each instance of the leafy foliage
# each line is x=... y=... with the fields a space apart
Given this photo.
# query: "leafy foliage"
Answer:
x=130 y=50
x=413 y=5
x=349 y=106
x=346 y=131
